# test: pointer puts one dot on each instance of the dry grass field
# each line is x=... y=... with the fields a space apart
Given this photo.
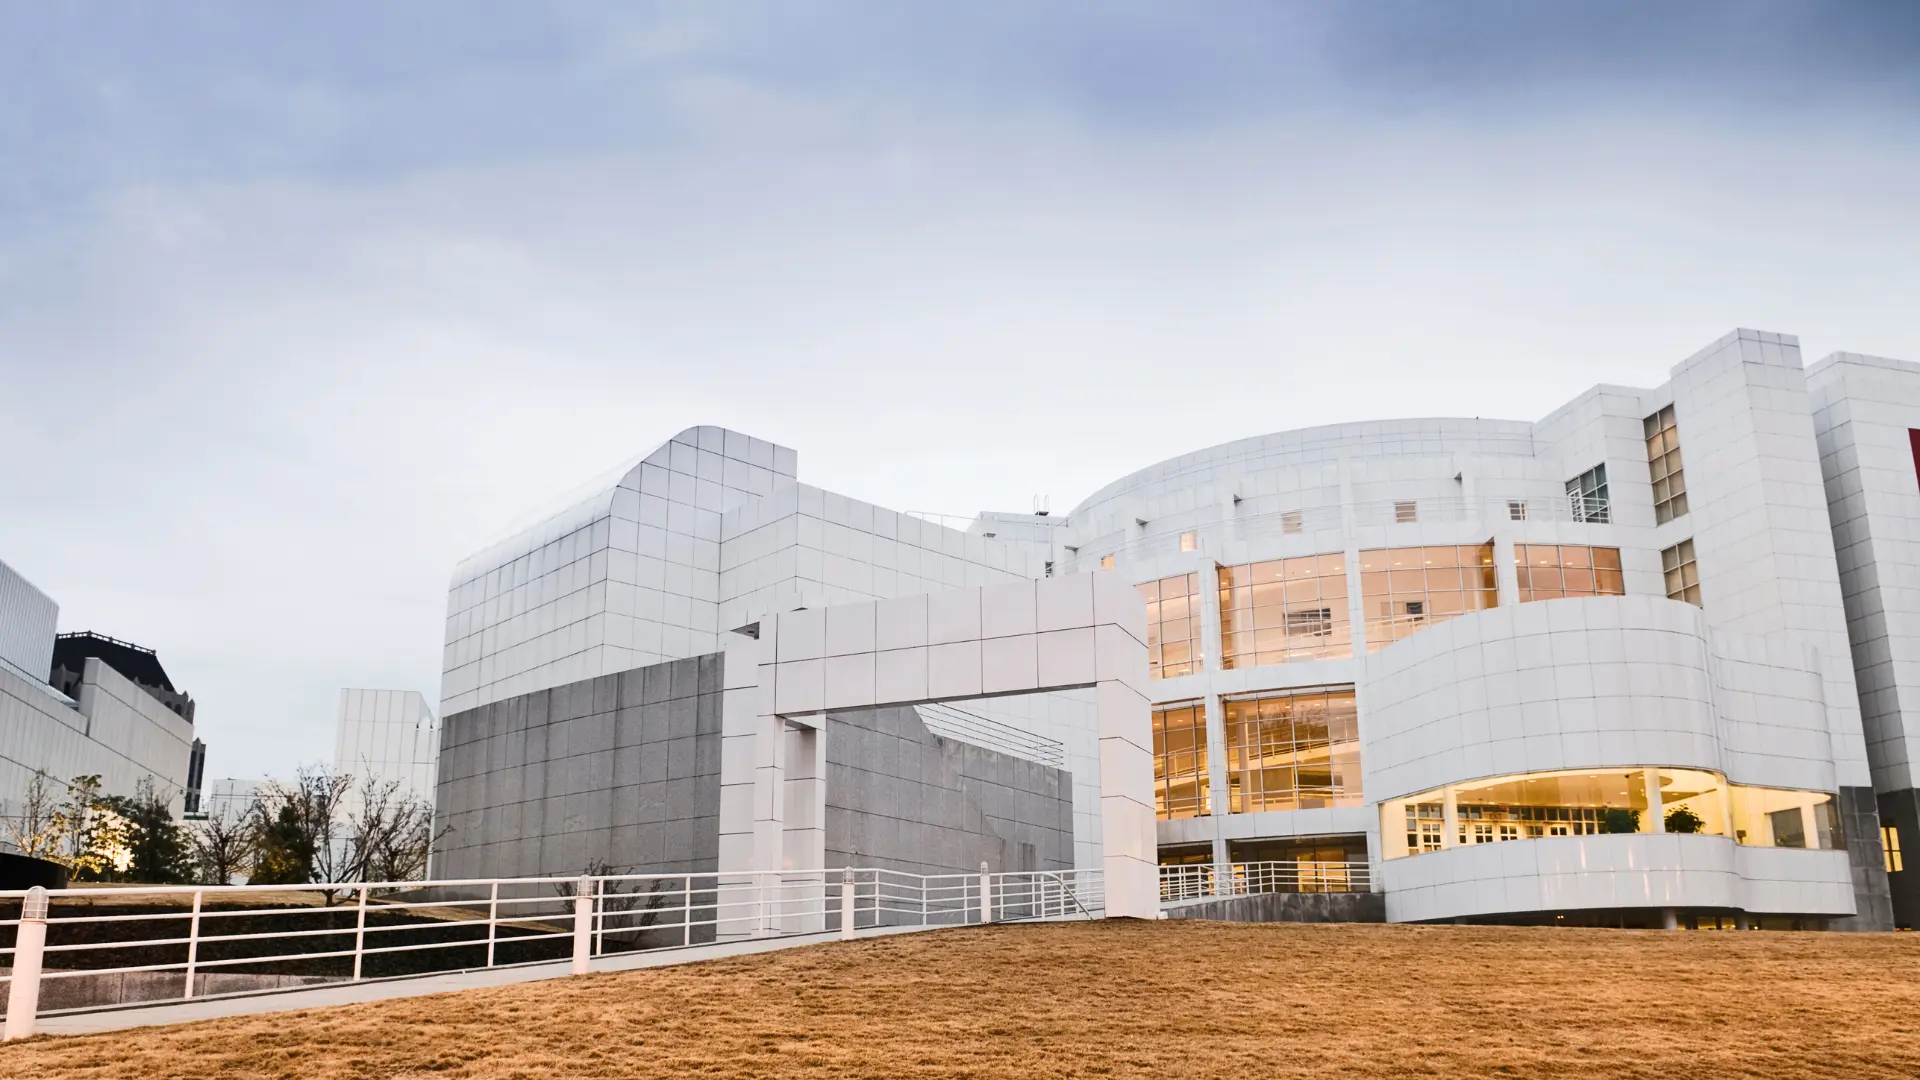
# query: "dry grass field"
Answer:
x=1170 y=999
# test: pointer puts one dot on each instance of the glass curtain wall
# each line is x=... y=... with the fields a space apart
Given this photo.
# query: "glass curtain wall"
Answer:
x=1173 y=625
x=1406 y=590
x=1584 y=802
x=1292 y=751
x=1554 y=571
x=1180 y=761
x=1284 y=610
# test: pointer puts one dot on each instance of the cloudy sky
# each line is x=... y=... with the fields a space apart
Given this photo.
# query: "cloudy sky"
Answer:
x=300 y=304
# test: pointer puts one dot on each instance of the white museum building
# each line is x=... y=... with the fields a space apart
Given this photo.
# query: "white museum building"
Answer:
x=1639 y=662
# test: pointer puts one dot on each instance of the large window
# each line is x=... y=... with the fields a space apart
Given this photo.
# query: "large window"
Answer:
x=1284 y=610
x=1663 y=460
x=1292 y=751
x=1553 y=571
x=1683 y=575
x=1173 y=625
x=1405 y=590
x=1180 y=761
x=1587 y=495
x=1583 y=802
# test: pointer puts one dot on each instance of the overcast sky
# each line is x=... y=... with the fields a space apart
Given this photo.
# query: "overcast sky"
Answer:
x=300 y=304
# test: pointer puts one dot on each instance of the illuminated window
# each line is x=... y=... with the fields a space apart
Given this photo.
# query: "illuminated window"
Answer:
x=1106 y=562
x=1405 y=590
x=1683 y=576
x=1173 y=625
x=1180 y=761
x=1284 y=610
x=1292 y=751
x=1550 y=571
x=1406 y=510
x=1189 y=541
x=1585 y=802
x=1587 y=495
x=1663 y=460
x=1890 y=848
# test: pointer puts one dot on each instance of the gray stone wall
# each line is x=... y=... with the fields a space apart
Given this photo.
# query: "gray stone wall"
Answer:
x=621 y=771
x=1287 y=907
x=905 y=799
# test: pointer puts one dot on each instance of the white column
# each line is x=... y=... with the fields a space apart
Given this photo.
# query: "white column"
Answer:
x=1450 y=818
x=1656 y=815
x=1129 y=841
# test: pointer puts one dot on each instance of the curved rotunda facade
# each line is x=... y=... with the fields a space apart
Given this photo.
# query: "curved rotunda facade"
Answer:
x=1593 y=665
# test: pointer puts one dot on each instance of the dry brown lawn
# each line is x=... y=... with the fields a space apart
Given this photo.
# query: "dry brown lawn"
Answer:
x=1170 y=999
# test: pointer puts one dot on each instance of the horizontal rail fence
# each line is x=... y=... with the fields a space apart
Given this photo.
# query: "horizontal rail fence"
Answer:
x=1200 y=881
x=1266 y=524
x=967 y=727
x=109 y=947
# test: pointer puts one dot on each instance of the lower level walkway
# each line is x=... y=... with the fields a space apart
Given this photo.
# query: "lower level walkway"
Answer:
x=150 y=1014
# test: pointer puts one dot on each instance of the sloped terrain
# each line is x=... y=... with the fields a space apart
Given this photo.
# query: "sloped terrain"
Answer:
x=1168 y=999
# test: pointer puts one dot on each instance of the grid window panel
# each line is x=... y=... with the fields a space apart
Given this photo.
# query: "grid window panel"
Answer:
x=1587 y=494
x=1683 y=574
x=1180 y=762
x=1406 y=590
x=1284 y=610
x=1173 y=625
x=1553 y=571
x=1663 y=462
x=1292 y=751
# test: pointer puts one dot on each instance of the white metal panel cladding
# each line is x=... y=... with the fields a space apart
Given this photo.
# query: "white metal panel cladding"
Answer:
x=27 y=621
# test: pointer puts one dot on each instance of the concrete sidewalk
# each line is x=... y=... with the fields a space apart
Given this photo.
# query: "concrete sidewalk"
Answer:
x=149 y=1015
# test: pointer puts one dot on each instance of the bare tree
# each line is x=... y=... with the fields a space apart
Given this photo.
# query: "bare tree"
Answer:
x=35 y=831
x=224 y=845
x=299 y=832
x=392 y=833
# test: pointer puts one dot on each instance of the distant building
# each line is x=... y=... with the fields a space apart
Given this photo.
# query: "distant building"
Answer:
x=27 y=620
x=114 y=713
x=390 y=736
x=142 y=665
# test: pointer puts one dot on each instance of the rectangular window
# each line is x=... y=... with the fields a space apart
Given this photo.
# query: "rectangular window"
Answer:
x=1173 y=625
x=1189 y=541
x=1106 y=562
x=1778 y=817
x=1516 y=510
x=1406 y=510
x=1180 y=761
x=1683 y=576
x=1890 y=848
x=1663 y=461
x=1284 y=610
x=1290 y=522
x=1587 y=496
x=1553 y=571
x=1405 y=590
x=1292 y=751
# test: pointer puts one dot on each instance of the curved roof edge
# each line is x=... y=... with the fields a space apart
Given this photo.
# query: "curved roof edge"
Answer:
x=593 y=500
x=1318 y=436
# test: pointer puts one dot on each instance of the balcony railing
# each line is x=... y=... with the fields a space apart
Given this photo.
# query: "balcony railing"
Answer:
x=1200 y=881
x=1490 y=510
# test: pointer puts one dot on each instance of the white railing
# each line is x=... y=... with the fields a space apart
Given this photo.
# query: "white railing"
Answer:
x=198 y=942
x=978 y=730
x=1488 y=509
x=1199 y=881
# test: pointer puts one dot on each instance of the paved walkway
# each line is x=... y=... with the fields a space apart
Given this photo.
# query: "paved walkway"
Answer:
x=132 y=1016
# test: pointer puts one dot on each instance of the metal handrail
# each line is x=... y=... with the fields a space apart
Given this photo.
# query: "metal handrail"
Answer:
x=967 y=727
x=598 y=914
x=1196 y=881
